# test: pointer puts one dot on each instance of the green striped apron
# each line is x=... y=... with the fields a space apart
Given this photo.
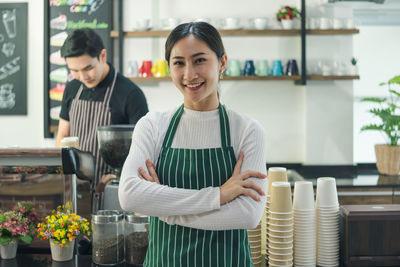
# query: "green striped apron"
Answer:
x=175 y=245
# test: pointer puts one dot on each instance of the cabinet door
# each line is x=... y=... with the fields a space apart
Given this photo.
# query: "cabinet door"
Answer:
x=365 y=196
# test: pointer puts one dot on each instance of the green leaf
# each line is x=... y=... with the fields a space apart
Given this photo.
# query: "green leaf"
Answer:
x=5 y=240
x=382 y=84
x=394 y=92
x=373 y=99
x=372 y=127
x=26 y=239
x=395 y=79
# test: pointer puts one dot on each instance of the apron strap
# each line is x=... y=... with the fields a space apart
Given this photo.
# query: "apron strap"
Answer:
x=224 y=125
x=173 y=125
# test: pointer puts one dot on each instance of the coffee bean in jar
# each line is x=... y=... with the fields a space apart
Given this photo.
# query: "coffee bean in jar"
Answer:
x=136 y=238
x=108 y=237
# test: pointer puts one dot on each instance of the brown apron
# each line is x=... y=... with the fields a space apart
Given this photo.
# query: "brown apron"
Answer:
x=85 y=116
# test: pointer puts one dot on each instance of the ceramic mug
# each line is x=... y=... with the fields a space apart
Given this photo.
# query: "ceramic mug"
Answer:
x=233 y=68
x=249 y=69
x=160 y=68
x=262 y=68
x=277 y=69
x=291 y=68
x=170 y=23
x=143 y=24
x=145 y=69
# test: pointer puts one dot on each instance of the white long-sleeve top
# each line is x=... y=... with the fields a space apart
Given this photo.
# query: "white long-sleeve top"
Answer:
x=189 y=207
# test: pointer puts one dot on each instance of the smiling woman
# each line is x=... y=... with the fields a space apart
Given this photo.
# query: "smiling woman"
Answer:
x=198 y=169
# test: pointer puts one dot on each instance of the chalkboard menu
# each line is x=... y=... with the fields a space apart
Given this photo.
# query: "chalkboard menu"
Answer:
x=13 y=47
x=64 y=16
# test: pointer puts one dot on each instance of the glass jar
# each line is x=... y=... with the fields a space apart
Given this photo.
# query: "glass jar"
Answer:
x=108 y=237
x=136 y=237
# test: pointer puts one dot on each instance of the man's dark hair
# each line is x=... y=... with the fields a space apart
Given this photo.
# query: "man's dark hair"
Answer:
x=82 y=41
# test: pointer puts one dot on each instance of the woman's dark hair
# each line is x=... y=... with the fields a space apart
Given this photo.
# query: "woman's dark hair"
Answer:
x=82 y=41
x=202 y=31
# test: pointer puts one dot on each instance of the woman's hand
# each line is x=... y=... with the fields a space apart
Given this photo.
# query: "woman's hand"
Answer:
x=151 y=175
x=238 y=185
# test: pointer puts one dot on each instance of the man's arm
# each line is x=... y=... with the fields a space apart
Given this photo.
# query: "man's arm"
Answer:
x=63 y=131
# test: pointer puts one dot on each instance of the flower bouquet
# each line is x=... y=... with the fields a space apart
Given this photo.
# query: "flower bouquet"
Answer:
x=286 y=16
x=33 y=217
x=62 y=227
x=13 y=227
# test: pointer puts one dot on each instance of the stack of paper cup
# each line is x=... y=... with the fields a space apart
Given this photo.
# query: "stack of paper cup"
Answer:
x=304 y=224
x=280 y=225
x=275 y=174
x=327 y=209
x=255 y=245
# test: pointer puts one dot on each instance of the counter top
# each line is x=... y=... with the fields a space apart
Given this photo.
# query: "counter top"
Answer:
x=44 y=260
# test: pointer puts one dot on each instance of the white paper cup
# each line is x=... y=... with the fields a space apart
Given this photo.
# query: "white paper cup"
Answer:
x=326 y=192
x=303 y=196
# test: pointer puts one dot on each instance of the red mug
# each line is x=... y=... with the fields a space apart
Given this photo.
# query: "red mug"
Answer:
x=145 y=69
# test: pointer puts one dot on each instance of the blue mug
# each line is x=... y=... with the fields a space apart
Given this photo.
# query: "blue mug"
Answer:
x=277 y=69
x=291 y=68
x=249 y=69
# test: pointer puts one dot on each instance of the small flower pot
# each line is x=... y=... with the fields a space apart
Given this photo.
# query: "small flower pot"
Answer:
x=388 y=159
x=65 y=253
x=287 y=24
x=9 y=251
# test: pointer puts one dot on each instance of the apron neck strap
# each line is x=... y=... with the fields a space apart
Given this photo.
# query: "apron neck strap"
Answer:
x=224 y=127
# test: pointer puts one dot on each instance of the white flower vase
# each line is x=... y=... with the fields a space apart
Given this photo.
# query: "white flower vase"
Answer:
x=287 y=24
x=9 y=251
x=65 y=253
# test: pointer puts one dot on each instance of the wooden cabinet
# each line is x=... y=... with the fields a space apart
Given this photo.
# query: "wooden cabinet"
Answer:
x=365 y=195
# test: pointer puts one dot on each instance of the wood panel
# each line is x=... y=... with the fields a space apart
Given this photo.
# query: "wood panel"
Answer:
x=365 y=195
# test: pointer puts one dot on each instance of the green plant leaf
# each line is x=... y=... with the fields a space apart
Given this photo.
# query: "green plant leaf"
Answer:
x=26 y=239
x=395 y=79
x=382 y=84
x=373 y=99
x=372 y=127
x=394 y=92
x=4 y=240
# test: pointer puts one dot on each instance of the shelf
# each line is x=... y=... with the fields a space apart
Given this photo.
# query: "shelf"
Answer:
x=241 y=32
x=333 y=31
x=226 y=78
x=333 y=77
x=256 y=78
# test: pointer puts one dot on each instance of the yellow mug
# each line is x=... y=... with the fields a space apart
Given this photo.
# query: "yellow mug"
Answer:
x=160 y=68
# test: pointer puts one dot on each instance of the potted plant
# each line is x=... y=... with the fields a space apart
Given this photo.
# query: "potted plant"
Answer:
x=28 y=211
x=353 y=67
x=387 y=155
x=62 y=227
x=13 y=227
x=286 y=16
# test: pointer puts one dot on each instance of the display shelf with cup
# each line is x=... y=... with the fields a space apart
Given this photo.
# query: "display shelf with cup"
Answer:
x=260 y=26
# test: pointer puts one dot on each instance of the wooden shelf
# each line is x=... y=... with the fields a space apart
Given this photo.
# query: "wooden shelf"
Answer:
x=333 y=31
x=226 y=78
x=240 y=32
x=255 y=78
x=333 y=77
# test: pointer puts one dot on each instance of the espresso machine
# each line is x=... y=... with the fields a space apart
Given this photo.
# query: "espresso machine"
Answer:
x=114 y=144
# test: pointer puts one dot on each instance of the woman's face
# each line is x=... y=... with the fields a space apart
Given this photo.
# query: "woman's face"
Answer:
x=195 y=70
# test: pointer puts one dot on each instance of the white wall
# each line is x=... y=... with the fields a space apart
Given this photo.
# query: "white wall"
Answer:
x=290 y=114
x=377 y=47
